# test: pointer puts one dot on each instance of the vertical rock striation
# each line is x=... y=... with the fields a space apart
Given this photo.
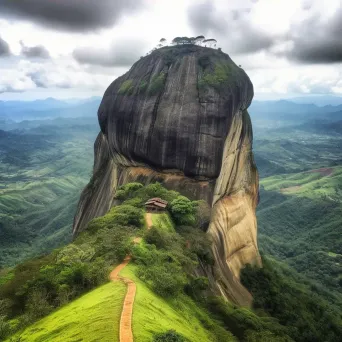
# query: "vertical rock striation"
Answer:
x=179 y=116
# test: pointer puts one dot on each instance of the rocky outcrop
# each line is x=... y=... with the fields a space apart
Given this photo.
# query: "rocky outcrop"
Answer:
x=179 y=116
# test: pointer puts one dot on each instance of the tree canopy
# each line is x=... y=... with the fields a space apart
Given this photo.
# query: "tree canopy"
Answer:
x=199 y=40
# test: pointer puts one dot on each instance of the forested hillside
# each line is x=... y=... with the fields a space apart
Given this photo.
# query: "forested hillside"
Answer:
x=300 y=209
x=42 y=171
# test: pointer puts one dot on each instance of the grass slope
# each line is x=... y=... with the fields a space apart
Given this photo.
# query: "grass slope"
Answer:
x=163 y=221
x=93 y=317
x=96 y=316
x=153 y=314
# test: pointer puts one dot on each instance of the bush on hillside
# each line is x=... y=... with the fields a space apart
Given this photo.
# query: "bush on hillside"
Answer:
x=183 y=211
x=198 y=242
x=135 y=202
x=5 y=328
x=127 y=215
x=122 y=215
x=157 y=237
x=37 y=304
x=73 y=253
x=140 y=194
x=169 y=336
x=196 y=286
x=125 y=191
x=166 y=280
x=202 y=215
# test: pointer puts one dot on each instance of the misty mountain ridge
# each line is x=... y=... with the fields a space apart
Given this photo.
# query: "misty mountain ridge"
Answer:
x=17 y=111
x=282 y=106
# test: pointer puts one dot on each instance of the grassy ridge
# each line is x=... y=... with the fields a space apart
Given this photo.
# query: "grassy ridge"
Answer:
x=93 y=317
x=153 y=314
x=96 y=316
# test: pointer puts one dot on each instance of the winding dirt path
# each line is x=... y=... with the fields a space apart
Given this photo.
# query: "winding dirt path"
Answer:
x=148 y=218
x=126 y=334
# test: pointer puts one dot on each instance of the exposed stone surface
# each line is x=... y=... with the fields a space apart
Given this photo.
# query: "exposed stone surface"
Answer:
x=179 y=116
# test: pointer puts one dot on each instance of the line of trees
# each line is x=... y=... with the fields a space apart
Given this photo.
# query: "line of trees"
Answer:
x=199 y=40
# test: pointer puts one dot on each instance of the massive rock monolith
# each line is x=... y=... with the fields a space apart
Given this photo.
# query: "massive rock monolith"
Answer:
x=179 y=116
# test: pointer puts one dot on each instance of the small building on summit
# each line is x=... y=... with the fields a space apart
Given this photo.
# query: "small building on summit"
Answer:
x=155 y=204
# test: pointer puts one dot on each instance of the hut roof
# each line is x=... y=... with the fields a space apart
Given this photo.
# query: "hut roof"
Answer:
x=157 y=201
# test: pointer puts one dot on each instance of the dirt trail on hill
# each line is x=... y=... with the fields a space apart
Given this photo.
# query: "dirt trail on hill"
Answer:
x=126 y=334
x=149 y=222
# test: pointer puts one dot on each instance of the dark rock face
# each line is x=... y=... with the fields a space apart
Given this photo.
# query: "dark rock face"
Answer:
x=179 y=125
x=179 y=116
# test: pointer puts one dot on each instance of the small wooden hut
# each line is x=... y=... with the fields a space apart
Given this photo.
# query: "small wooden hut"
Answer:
x=155 y=204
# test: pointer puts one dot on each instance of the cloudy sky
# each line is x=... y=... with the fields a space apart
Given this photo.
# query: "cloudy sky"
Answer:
x=76 y=48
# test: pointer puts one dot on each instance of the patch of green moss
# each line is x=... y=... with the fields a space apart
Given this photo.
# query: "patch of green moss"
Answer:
x=126 y=88
x=222 y=73
x=143 y=86
x=157 y=84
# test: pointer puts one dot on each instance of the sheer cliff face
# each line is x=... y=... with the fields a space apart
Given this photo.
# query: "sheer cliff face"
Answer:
x=179 y=116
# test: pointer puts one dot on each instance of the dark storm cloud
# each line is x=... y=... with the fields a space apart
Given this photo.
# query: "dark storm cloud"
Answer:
x=38 y=51
x=232 y=29
x=120 y=54
x=317 y=41
x=4 y=48
x=73 y=15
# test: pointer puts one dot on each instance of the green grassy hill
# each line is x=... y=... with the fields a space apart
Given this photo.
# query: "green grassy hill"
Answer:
x=96 y=316
x=153 y=314
x=92 y=317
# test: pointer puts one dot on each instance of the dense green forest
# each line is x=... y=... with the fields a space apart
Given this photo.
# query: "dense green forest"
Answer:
x=300 y=209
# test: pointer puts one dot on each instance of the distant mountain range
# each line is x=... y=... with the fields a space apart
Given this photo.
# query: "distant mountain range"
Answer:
x=298 y=109
x=50 y=108
x=288 y=111
x=320 y=100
